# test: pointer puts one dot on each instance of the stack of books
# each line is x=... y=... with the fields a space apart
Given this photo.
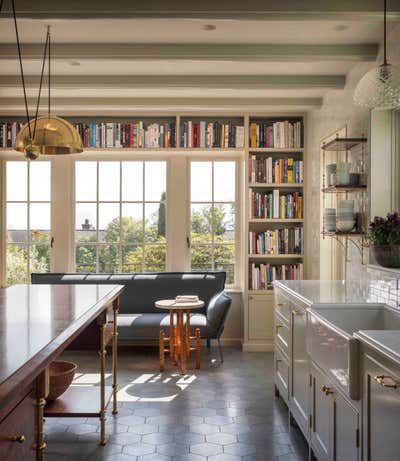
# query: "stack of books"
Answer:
x=284 y=134
x=133 y=135
x=261 y=276
x=272 y=170
x=277 y=242
x=203 y=134
x=275 y=205
x=8 y=133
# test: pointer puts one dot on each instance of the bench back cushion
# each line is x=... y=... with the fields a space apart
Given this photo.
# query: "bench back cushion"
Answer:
x=142 y=290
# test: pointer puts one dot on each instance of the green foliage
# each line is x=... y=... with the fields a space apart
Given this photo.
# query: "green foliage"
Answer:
x=385 y=231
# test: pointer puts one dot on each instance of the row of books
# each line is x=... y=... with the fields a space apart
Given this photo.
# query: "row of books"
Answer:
x=8 y=133
x=133 y=135
x=211 y=134
x=261 y=276
x=271 y=170
x=285 y=134
x=275 y=205
x=277 y=242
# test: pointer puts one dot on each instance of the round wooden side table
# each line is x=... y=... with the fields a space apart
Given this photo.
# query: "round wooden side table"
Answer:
x=179 y=333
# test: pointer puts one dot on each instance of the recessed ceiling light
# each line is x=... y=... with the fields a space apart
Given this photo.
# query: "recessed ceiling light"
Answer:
x=74 y=63
x=340 y=27
x=209 y=27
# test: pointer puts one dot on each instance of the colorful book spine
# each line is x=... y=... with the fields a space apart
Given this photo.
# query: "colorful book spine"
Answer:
x=262 y=276
x=209 y=135
x=278 y=134
x=277 y=242
x=275 y=205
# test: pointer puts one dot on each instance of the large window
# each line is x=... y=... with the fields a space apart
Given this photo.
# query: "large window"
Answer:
x=120 y=216
x=28 y=197
x=213 y=216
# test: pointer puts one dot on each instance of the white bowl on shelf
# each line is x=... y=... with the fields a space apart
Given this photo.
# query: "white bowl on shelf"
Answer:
x=345 y=226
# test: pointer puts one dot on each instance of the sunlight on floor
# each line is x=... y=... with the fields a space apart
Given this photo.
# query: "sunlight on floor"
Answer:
x=155 y=388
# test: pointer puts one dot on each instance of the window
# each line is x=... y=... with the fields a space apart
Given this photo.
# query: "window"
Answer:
x=213 y=216
x=120 y=216
x=28 y=197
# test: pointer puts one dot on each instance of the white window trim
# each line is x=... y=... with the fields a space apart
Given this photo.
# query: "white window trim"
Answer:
x=177 y=213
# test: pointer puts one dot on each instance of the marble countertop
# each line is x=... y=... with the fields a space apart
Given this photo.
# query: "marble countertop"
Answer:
x=385 y=342
x=368 y=291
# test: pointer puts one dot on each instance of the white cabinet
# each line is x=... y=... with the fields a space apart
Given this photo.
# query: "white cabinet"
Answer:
x=381 y=409
x=321 y=415
x=260 y=322
x=300 y=374
x=335 y=425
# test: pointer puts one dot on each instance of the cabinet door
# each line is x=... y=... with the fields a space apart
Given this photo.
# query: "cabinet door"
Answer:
x=346 y=437
x=261 y=317
x=282 y=375
x=300 y=374
x=381 y=401
x=322 y=416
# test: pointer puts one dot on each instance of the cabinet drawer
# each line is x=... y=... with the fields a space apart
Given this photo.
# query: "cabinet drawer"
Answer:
x=282 y=334
x=282 y=305
x=282 y=375
x=18 y=424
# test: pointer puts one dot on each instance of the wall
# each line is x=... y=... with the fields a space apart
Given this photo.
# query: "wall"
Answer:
x=338 y=110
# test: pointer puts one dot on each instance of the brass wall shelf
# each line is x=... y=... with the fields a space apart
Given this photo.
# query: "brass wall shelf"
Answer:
x=343 y=189
x=343 y=144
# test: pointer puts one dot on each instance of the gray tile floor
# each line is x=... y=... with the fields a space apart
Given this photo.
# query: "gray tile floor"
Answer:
x=220 y=413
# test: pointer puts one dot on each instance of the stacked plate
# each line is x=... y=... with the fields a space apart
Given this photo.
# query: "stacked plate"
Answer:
x=329 y=219
x=345 y=215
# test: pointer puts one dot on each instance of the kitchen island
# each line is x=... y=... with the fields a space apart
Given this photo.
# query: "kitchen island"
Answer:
x=37 y=323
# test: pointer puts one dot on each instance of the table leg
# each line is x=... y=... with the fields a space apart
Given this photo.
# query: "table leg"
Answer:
x=188 y=332
x=171 y=335
x=115 y=356
x=198 y=348
x=161 y=345
x=102 y=353
x=177 y=337
x=183 y=345
x=41 y=392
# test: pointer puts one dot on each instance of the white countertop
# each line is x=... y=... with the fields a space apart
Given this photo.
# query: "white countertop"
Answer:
x=311 y=292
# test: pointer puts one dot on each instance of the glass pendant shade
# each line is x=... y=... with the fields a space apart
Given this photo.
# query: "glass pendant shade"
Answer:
x=379 y=88
x=52 y=136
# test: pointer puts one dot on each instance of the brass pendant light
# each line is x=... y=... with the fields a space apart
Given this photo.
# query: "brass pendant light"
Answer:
x=47 y=135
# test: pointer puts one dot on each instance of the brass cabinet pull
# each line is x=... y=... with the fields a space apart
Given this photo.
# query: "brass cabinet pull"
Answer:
x=277 y=327
x=327 y=390
x=280 y=305
x=296 y=312
x=380 y=379
x=17 y=438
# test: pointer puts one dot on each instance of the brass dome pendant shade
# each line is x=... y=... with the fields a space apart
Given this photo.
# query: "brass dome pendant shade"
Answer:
x=46 y=135
x=52 y=136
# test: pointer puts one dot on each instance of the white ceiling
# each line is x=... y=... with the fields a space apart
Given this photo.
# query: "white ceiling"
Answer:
x=315 y=32
x=117 y=32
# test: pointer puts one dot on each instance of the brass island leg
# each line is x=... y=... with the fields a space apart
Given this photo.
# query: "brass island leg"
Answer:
x=115 y=356
x=102 y=353
x=41 y=392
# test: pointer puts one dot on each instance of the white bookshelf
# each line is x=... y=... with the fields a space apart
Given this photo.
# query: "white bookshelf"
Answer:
x=259 y=304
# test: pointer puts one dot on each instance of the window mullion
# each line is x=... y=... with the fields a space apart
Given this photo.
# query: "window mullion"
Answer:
x=28 y=220
x=212 y=218
x=143 y=215
x=120 y=219
x=97 y=216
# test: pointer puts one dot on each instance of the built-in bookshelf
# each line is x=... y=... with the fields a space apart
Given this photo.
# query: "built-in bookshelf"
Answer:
x=211 y=133
x=275 y=185
x=135 y=133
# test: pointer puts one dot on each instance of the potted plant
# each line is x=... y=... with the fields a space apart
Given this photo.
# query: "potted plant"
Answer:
x=384 y=237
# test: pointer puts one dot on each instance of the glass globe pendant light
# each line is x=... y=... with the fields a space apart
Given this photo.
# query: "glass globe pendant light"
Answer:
x=46 y=135
x=380 y=87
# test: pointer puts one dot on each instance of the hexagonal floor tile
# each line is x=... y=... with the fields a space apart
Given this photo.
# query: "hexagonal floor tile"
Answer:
x=157 y=438
x=131 y=420
x=143 y=429
x=82 y=428
x=219 y=420
x=172 y=449
x=235 y=428
x=189 y=438
x=147 y=411
x=139 y=449
x=173 y=428
x=204 y=429
x=206 y=449
x=203 y=411
x=225 y=457
x=221 y=439
x=126 y=438
x=240 y=449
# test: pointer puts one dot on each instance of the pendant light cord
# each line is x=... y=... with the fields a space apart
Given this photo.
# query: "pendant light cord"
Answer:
x=41 y=80
x=48 y=42
x=21 y=69
x=384 y=33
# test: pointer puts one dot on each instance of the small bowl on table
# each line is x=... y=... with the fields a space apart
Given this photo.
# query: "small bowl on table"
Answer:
x=61 y=376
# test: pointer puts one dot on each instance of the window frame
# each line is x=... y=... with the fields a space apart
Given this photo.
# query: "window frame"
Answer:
x=3 y=218
x=119 y=159
x=238 y=277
